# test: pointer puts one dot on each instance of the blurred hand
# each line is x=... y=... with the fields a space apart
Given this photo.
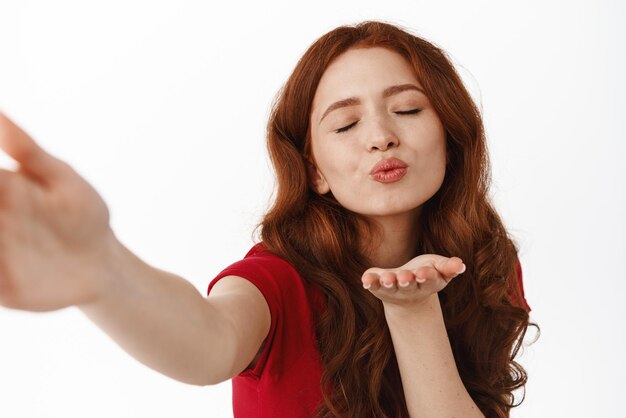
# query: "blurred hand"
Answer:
x=413 y=283
x=54 y=229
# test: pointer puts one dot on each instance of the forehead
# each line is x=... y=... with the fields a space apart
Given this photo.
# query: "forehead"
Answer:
x=362 y=71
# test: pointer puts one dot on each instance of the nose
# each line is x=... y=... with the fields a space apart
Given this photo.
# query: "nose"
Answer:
x=381 y=137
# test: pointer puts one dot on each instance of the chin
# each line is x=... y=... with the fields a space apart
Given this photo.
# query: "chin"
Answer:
x=385 y=207
x=399 y=211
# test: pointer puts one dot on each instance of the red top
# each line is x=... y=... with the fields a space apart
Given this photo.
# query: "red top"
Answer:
x=286 y=379
x=520 y=283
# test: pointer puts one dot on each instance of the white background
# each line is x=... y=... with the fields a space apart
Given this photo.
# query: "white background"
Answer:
x=162 y=107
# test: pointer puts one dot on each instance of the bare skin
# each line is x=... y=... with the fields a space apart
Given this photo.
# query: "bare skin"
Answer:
x=54 y=226
x=413 y=282
x=58 y=250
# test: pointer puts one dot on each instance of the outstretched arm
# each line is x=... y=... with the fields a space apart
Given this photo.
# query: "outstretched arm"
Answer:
x=430 y=380
x=164 y=322
x=57 y=250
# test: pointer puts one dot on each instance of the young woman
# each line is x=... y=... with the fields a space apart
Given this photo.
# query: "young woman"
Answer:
x=384 y=284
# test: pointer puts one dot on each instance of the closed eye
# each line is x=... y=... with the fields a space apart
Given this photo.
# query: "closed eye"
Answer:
x=345 y=128
x=409 y=112
x=405 y=112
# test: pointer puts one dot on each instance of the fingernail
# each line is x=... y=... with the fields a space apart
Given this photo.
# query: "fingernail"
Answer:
x=462 y=269
x=366 y=286
x=420 y=279
x=403 y=284
x=388 y=285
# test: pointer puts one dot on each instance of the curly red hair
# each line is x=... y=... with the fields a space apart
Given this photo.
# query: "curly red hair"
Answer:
x=485 y=313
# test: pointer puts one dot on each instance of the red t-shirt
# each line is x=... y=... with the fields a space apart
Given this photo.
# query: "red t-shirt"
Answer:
x=285 y=382
x=520 y=283
x=286 y=379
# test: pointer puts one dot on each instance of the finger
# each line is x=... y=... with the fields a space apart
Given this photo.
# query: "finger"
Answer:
x=432 y=279
x=425 y=273
x=450 y=267
x=388 y=279
x=405 y=279
x=7 y=181
x=32 y=159
x=370 y=281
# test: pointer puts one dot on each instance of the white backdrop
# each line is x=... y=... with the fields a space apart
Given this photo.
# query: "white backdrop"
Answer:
x=162 y=107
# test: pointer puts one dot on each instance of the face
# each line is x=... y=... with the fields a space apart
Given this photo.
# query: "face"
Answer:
x=369 y=108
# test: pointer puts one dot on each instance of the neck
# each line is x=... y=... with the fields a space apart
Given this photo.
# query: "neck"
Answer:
x=398 y=240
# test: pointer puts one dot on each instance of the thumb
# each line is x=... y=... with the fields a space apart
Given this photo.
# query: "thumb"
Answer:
x=33 y=160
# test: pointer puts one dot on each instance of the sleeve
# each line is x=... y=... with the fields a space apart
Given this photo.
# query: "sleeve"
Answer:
x=518 y=294
x=265 y=273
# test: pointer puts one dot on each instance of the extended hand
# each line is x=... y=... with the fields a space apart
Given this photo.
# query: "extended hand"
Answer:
x=54 y=229
x=414 y=282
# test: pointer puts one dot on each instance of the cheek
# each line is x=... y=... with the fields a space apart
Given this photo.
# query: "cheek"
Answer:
x=439 y=152
x=435 y=145
x=336 y=162
x=438 y=159
x=439 y=163
x=431 y=154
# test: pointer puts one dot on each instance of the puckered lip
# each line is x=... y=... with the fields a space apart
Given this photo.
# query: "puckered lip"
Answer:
x=388 y=164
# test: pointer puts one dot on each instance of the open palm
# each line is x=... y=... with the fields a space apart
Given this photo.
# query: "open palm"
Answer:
x=413 y=282
x=53 y=228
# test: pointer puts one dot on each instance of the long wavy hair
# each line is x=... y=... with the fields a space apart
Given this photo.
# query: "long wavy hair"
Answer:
x=484 y=315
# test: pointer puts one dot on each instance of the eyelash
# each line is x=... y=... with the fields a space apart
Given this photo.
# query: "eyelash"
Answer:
x=406 y=112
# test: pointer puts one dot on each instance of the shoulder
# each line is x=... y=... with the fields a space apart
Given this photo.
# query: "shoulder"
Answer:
x=268 y=292
x=271 y=275
x=516 y=288
x=260 y=258
x=262 y=268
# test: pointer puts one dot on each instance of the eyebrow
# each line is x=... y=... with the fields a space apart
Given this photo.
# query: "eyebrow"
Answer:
x=353 y=101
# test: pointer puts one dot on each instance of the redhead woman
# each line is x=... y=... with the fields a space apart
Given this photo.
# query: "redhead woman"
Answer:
x=384 y=284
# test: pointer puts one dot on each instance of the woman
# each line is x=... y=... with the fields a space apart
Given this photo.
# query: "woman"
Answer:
x=385 y=283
